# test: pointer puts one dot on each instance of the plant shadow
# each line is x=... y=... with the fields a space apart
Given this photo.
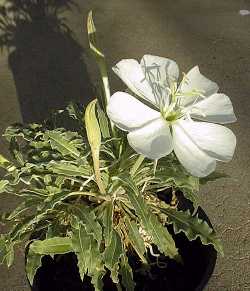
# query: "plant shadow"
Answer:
x=45 y=59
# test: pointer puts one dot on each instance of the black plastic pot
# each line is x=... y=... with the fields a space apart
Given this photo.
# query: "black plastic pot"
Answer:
x=61 y=273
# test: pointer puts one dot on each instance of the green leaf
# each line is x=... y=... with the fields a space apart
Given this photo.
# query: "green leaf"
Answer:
x=159 y=234
x=193 y=227
x=137 y=165
x=33 y=263
x=88 y=255
x=62 y=144
x=112 y=255
x=94 y=138
x=104 y=123
x=92 y=127
x=99 y=56
x=67 y=169
x=88 y=219
x=51 y=246
x=107 y=218
x=127 y=274
x=3 y=184
x=135 y=238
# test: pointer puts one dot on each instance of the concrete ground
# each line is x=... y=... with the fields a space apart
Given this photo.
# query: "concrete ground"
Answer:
x=44 y=69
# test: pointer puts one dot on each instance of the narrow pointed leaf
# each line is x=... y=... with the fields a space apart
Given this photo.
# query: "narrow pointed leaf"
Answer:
x=107 y=218
x=112 y=255
x=104 y=123
x=92 y=126
x=88 y=219
x=55 y=245
x=88 y=255
x=60 y=143
x=136 y=239
x=193 y=227
x=94 y=138
x=159 y=234
x=64 y=168
x=127 y=274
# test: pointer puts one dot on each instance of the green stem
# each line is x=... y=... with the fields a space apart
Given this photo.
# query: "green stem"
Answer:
x=98 y=177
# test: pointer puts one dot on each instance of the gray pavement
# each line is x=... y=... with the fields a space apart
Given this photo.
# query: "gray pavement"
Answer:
x=210 y=33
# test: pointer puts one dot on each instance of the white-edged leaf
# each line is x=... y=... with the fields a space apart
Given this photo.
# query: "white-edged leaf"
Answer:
x=60 y=143
x=88 y=255
x=88 y=219
x=51 y=246
x=159 y=234
x=127 y=274
x=112 y=255
x=135 y=238
x=64 y=168
x=193 y=227
x=107 y=218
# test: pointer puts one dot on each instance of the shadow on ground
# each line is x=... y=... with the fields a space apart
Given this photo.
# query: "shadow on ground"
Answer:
x=45 y=59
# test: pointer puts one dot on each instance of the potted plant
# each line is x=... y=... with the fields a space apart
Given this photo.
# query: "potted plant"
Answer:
x=117 y=197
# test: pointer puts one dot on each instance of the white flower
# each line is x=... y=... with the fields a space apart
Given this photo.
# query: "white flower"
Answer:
x=159 y=118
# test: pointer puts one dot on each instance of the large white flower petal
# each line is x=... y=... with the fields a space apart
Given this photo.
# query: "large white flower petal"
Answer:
x=194 y=80
x=153 y=140
x=128 y=113
x=132 y=75
x=216 y=108
x=215 y=140
x=194 y=160
x=161 y=70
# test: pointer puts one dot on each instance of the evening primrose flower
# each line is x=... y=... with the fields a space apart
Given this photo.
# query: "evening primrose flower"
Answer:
x=158 y=114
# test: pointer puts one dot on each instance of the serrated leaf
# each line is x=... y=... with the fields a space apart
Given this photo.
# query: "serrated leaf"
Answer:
x=49 y=204
x=51 y=246
x=88 y=219
x=193 y=227
x=99 y=56
x=33 y=263
x=88 y=255
x=107 y=218
x=135 y=238
x=159 y=234
x=64 y=168
x=127 y=274
x=112 y=255
x=60 y=143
